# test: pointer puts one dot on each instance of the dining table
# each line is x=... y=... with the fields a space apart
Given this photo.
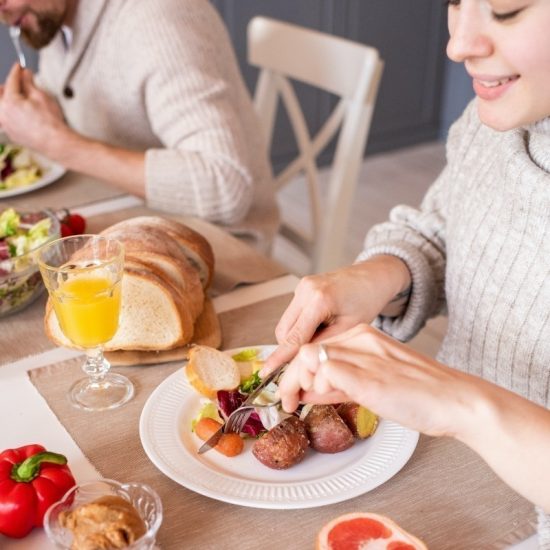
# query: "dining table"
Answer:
x=444 y=494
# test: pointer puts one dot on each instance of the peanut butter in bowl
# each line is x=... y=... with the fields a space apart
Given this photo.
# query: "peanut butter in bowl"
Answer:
x=105 y=515
x=109 y=522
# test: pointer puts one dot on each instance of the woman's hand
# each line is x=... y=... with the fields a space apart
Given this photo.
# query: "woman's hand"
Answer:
x=328 y=304
x=394 y=381
x=509 y=432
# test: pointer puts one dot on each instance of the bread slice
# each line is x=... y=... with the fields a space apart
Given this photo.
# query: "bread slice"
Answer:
x=191 y=243
x=152 y=246
x=207 y=333
x=210 y=370
x=152 y=316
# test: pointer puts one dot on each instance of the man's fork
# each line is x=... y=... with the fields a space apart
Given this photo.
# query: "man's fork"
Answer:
x=15 y=33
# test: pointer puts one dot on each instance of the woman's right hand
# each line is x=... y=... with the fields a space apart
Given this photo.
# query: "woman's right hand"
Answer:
x=331 y=303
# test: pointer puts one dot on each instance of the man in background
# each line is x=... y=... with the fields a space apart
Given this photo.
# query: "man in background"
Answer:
x=147 y=96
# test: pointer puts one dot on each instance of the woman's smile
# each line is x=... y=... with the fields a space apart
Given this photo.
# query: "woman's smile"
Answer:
x=492 y=87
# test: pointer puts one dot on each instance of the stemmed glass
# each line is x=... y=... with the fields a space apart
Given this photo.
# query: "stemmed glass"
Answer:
x=83 y=276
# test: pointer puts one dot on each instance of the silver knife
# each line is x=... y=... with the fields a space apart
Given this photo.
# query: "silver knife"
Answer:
x=213 y=440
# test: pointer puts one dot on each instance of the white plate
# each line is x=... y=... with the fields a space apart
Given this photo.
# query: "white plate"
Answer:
x=318 y=480
x=51 y=171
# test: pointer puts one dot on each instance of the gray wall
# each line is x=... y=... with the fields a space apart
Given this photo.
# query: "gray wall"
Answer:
x=7 y=54
x=456 y=93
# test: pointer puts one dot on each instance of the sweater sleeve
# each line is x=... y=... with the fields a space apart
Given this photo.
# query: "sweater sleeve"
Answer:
x=193 y=97
x=417 y=236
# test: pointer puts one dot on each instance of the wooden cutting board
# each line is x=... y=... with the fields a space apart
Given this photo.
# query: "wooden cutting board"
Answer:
x=207 y=333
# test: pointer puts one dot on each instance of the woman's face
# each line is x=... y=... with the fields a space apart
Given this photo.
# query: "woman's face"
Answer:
x=505 y=47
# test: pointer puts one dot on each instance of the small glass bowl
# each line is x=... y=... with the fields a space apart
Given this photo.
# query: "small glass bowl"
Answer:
x=23 y=284
x=141 y=496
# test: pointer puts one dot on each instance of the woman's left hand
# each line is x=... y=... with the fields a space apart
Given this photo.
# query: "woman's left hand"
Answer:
x=370 y=368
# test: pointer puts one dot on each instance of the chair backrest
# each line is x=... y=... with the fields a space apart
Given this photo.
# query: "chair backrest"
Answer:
x=350 y=70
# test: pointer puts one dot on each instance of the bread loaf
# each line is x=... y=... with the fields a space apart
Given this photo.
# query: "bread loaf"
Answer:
x=162 y=286
x=154 y=248
x=192 y=244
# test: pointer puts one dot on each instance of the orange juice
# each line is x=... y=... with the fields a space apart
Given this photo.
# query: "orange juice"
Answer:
x=87 y=309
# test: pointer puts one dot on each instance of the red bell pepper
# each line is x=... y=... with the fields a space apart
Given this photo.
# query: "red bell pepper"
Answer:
x=31 y=479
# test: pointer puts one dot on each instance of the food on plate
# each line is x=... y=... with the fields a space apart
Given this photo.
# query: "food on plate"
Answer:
x=31 y=479
x=230 y=444
x=281 y=440
x=20 y=234
x=327 y=432
x=162 y=292
x=210 y=370
x=17 y=167
x=361 y=421
x=365 y=531
x=109 y=522
x=283 y=446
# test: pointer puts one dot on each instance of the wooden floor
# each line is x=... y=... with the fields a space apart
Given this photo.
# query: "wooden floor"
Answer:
x=386 y=179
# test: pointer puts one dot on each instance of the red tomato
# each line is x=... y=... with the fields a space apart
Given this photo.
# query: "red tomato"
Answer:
x=76 y=222
x=66 y=231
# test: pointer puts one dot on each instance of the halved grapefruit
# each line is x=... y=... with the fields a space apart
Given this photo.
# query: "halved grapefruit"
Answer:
x=364 y=531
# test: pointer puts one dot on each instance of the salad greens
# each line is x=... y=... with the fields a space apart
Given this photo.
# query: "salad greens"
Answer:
x=251 y=383
x=17 y=167
x=21 y=233
x=18 y=236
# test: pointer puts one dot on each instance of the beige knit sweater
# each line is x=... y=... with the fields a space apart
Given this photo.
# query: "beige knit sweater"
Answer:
x=479 y=249
x=161 y=76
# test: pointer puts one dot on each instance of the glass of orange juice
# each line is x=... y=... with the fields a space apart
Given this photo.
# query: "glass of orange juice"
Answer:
x=83 y=275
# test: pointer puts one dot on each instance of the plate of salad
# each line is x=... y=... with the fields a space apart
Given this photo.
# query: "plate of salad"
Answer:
x=319 y=479
x=23 y=171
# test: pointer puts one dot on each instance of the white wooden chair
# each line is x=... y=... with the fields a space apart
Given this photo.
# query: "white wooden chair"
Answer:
x=347 y=69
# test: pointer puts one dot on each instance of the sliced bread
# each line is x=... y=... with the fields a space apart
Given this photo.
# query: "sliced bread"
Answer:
x=152 y=316
x=150 y=245
x=210 y=370
x=192 y=244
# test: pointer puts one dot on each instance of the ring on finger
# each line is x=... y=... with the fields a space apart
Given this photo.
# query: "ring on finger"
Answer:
x=322 y=353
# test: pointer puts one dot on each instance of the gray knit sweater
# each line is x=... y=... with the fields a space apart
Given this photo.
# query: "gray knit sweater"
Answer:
x=161 y=76
x=479 y=249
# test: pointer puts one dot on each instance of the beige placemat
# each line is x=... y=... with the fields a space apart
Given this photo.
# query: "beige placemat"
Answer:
x=445 y=494
x=22 y=333
x=70 y=191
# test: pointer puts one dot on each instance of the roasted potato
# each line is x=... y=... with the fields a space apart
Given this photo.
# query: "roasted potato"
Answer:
x=327 y=432
x=361 y=421
x=283 y=446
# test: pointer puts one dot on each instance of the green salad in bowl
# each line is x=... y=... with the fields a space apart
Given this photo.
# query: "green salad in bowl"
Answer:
x=21 y=233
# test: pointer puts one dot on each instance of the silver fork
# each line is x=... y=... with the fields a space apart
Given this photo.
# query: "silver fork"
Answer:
x=238 y=417
x=15 y=33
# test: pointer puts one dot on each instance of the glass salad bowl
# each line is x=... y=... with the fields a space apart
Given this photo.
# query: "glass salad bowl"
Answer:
x=21 y=234
x=141 y=497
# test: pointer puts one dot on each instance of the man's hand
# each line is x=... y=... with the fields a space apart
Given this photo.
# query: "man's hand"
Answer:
x=28 y=115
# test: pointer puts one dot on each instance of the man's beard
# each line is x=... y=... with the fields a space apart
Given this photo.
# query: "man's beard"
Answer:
x=48 y=26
